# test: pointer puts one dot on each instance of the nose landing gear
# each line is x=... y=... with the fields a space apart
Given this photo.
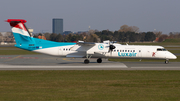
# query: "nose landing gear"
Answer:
x=166 y=61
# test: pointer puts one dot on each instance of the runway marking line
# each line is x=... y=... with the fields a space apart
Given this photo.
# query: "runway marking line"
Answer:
x=28 y=57
x=13 y=58
x=5 y=57
x=66 y=59
x=18 y=57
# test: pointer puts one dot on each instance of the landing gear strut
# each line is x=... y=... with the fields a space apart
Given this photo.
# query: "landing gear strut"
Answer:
x=166 y=61
x=86 y=61
x=99 y=60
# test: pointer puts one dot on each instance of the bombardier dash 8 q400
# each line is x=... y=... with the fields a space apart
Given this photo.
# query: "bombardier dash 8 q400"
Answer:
x=81 y=49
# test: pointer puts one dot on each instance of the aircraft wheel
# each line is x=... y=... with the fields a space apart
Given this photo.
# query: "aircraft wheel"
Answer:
x=99 y=60
x=86 y=61
x=167 y=61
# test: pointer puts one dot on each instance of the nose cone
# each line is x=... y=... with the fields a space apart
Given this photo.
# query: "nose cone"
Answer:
x=171 y=56
x=174 y=57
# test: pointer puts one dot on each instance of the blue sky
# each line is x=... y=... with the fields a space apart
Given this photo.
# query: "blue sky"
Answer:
x=78 y=15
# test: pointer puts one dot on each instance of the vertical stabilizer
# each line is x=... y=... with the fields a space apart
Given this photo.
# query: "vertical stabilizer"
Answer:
x=20 y=32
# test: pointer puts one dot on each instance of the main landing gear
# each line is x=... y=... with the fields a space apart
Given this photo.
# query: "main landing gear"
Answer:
x=99 y=60
x=86 y=61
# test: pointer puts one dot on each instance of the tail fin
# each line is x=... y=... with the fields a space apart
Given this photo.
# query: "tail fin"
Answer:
x=20 y=32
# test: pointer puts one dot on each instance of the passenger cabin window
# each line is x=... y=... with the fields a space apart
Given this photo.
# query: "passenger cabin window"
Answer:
x=161 y=49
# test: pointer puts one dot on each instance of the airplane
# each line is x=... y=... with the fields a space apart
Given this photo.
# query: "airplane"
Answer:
x=106 y=49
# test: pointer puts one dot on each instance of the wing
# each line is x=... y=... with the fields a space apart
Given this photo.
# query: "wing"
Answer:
x=77 y=54
x=90 y=48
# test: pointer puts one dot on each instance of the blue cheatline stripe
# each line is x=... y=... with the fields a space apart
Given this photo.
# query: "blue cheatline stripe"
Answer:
x=30 y=43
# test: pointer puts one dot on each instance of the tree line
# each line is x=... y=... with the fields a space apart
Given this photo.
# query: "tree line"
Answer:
x=100 y=36
x=124 y=34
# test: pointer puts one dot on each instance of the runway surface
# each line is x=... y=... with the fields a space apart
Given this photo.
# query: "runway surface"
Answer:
x=45 y=62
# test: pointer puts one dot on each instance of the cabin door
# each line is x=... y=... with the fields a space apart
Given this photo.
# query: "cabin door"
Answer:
x=140 y=53
x=60 y=50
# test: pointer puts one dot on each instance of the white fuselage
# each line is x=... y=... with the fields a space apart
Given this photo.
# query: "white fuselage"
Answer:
x=121 y=51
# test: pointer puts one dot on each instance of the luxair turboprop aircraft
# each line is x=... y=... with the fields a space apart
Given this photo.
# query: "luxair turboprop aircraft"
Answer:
x=81 y=49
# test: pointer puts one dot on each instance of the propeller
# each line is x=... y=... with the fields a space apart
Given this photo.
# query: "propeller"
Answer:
x=111 y=47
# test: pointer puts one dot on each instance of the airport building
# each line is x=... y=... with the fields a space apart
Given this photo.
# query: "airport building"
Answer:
x=57 y=26
x=67 y=32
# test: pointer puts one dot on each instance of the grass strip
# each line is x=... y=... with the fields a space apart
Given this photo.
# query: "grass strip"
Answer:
x=90 y=85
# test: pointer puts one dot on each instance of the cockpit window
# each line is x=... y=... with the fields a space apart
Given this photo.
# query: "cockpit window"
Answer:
x=164 y=49
x=161 y=49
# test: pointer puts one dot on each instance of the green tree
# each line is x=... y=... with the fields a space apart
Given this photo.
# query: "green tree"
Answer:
x=132 y=36
x=59 y=38
x=47 y=35
x=115 y=36
x=68 y=37
x=92 y=38
x=53 y=37
x=150 y=36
